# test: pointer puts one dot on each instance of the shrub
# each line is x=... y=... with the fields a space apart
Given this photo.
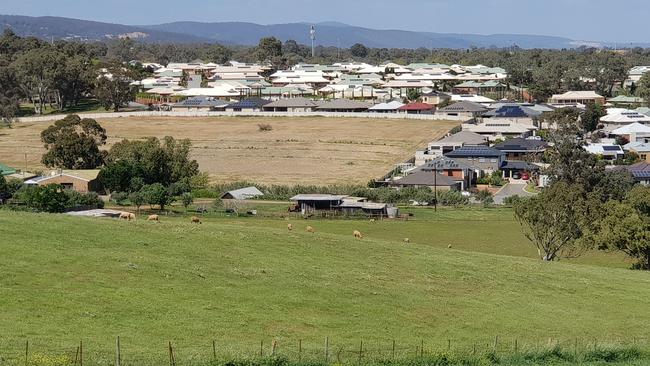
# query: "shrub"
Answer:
x=452 y=198
x=120 y=198
x=485 y=197
x=264 y=127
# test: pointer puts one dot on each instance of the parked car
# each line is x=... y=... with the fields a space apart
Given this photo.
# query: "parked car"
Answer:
x=516 y=175
x=525 y=176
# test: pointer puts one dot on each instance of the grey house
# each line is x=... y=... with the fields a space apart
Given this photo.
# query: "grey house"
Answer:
x=482 y=158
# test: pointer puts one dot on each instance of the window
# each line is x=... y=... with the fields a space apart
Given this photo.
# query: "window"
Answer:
x=67 y=185
x=481 y=160
x=493 y=160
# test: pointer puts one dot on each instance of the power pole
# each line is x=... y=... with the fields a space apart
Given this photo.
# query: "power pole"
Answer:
x=312 y=35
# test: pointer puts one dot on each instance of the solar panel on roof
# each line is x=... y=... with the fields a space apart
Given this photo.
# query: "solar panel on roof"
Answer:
x=611 y=148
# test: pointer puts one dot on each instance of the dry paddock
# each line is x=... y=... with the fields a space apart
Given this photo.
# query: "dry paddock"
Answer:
x=299 y=150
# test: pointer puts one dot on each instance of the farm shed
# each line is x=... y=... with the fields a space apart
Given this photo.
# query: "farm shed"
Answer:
x=242 y=194
x=82 y=181
x=309 y=203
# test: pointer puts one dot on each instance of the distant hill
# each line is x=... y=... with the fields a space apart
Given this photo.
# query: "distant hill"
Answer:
x=241 y=33
x=68 y=28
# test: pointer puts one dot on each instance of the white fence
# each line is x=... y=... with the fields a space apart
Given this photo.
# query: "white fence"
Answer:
x=434 y=117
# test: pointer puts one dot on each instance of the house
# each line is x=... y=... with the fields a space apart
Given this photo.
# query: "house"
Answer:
x=510 y=167
x=500 y=129
x=633 y=132
x=617 y=117
x=428 y=179
x=479 y=88
x=82 y=181
x=435 y=98
x=200 y=104
x=484 y=159
x=242 y=194
x=463 y=174
x=390 y=107
x=607 y=151
x=627 y=101
x=448 y=144
x=417 y=108
x=640 y=148
x=466 y=109
x=6 y=170
x=248 y=105
x=640 y=172
x=520 y=148
x=577 y=97
x=291 y=105
x=343 y=105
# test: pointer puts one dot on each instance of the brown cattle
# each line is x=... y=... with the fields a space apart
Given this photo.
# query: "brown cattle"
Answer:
x=195 y=220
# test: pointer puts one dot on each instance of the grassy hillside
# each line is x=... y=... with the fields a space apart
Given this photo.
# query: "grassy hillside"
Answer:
x=239 y=282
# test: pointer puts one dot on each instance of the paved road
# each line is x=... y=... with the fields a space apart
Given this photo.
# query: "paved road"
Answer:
x=512 y=189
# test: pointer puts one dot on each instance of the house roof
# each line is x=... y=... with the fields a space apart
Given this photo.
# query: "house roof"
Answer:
x=6 y=170
x=292 y=103
x=249 y=103
x=520 y=165
x=317 y=197
x=465 y=137
x=243 y=193
x=512 y=111
x=464 y=106
x=473 y=151
x=624 y=116
x=390 y=106
x=443 y=163
x=581 y=94
x=635 y=127
x=638 y=146
x=604 y=149
x=85 y=175
x=425 y=178
x=521 y=144
x=625 y=99
x=416 y=107
x=201 y=102
x=344 y=104
x=639 y=170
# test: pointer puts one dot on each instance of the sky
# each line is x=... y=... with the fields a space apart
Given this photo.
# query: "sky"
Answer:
x=589 y=20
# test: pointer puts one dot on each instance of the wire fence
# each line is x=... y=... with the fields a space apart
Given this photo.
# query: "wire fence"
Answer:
x=40 y=352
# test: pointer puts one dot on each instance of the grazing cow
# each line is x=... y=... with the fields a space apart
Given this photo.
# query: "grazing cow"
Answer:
x=128 y=216
x=407 y=240
x=195 y=220
x=357 y=234
x=310 y=229
x=289 y=227
x=153 y=218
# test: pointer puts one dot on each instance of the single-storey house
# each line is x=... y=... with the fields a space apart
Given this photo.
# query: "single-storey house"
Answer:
x=577 y=97
x=82 y=181
x=606 y=151
x=417 y=108
x=464 y=109
x=248 y=105
x=291 y=105
x=200 y=104
x=434 y=97
x=242 y=194
x=640 y=172
x=343 y=105
x=389 y=107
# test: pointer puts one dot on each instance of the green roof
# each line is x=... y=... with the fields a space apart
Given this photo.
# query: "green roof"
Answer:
x=5 y=170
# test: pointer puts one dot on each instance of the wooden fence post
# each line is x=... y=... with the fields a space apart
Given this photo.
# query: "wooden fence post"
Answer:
x=496 y=344
x=393 y=353
x=214 y=349
x=516 y=346
x=172 y=359
x=27 y=352
x=118 y=355
x=360 y=352
x=421 y=347
x=327 y=348
x=261 y=348
x=273 y=345
x=81 y=353
x=299 y=350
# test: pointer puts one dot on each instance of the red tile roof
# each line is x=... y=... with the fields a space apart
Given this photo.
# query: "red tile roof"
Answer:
x=416 y=107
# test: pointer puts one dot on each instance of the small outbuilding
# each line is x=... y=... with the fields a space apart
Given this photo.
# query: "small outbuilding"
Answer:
x=242 y=194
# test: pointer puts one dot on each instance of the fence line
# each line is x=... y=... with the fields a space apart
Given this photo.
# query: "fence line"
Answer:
x=182 y=353
x=430 y=117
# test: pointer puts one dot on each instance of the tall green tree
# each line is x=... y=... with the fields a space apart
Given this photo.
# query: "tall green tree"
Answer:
x=73 y=143
x=35 y=71
x=626 y=226
x=359 y=50
x=113 y=89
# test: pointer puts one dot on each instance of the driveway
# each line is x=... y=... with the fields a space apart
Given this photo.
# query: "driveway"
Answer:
x=515 y=188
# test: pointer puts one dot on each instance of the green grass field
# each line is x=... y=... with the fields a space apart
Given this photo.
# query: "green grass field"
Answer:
x=241 y=281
